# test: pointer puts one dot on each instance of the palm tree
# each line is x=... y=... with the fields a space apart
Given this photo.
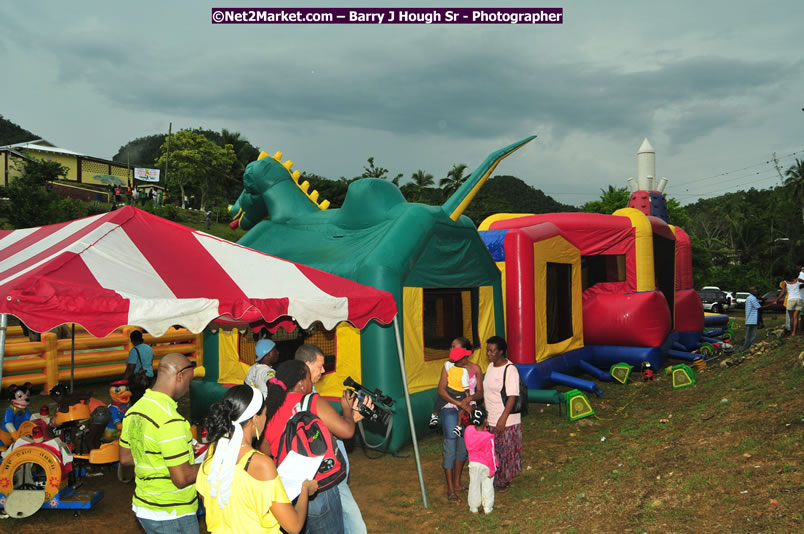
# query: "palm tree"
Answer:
x=421 y=180
x=454 y=179
x=795 y=181
x=373 y=171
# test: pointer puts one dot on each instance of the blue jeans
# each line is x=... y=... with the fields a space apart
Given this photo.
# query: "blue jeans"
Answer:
x=352 y=518
x=183 y=525
x=454 y=448
x=324 y=513
x=750 y=335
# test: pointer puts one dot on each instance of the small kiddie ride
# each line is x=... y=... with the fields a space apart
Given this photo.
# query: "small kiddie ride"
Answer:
x=16 y=414
x=120 y=395
x=46 y=464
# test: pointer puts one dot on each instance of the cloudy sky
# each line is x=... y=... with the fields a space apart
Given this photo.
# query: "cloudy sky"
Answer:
x=717 y=87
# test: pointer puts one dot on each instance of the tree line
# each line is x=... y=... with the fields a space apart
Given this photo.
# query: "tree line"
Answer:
x=739 y=238
x=209 y=166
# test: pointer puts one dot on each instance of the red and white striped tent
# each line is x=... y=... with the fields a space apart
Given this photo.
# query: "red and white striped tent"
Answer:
x=129 y=267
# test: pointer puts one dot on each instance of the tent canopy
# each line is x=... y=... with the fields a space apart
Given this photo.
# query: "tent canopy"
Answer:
x=131 y=267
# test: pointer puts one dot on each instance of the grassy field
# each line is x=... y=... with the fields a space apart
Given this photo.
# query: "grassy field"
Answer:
x=729 y=460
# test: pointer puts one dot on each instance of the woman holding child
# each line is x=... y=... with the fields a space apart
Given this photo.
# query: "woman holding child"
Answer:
x=458 y=388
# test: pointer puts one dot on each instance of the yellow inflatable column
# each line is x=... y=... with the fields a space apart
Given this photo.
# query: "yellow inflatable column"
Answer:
x=643 y=249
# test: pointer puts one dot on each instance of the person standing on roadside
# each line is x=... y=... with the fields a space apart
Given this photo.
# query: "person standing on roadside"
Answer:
x=794 y=303
x=751 y=316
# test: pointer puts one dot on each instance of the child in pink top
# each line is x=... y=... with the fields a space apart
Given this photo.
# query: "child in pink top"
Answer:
x=482 y=463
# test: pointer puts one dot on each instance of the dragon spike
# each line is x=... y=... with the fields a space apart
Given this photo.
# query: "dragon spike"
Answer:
x=288 y=164
x=262 y=155
x=314 y=196
x=295 y=175
x=277 y=156
x=305 y=186
x=324 y=205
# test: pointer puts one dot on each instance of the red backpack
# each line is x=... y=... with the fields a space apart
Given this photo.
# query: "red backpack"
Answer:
x=306 y=434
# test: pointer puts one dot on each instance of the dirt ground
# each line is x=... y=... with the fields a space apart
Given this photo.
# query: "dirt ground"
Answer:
x=729 y=459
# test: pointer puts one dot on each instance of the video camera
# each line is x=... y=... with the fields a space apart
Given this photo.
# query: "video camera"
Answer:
x=382 y=403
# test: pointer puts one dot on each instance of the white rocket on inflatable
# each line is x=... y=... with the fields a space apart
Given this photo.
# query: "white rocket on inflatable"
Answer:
x=644 y=196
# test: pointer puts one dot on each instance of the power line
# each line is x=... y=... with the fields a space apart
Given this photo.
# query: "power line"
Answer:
x=768 y=162
x=740 y=177
x=720 y=191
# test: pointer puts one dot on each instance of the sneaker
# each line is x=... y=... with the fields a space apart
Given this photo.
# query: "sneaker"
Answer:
x=433 y=421
x=458 y=431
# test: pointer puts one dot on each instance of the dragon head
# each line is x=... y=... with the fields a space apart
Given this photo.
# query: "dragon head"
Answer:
x=269 y=187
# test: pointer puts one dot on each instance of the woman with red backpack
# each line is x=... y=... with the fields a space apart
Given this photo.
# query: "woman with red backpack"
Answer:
x=305 y=424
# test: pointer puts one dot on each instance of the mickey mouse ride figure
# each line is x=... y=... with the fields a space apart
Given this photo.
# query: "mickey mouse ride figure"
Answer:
x=16 y=414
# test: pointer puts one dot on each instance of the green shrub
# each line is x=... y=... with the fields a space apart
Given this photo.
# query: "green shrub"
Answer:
x=72 y=208
x=170 y=212
x=221 y=214
x=96 y=208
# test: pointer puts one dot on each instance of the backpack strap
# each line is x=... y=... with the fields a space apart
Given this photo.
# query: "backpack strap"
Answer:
x=306 y=404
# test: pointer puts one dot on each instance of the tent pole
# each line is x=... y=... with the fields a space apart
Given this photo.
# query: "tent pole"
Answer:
x=410 y=411
x=72 y=359
x=3 y=328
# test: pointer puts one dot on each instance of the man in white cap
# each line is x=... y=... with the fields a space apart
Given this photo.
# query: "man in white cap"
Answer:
x=259 y=373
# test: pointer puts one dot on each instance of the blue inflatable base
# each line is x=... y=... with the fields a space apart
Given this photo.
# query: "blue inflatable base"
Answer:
x=537 y=376
x=716 y=320
x=689 y=340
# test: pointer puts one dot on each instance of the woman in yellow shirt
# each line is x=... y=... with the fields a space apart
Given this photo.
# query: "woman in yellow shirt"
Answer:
x=240 y=486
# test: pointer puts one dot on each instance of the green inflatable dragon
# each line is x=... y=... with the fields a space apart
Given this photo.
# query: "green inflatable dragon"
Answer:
x=376 y=238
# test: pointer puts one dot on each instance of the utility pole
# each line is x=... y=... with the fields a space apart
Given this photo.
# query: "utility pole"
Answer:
x=167 y=156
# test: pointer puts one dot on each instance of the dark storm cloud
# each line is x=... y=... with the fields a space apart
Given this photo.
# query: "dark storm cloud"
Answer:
x=469 y=95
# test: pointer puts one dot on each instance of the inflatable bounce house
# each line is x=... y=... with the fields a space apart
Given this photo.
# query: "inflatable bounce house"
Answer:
x=585 y=292
x=431 y=259
x=571 y=292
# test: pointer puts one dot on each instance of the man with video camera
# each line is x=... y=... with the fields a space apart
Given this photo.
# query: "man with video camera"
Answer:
x=352 y=518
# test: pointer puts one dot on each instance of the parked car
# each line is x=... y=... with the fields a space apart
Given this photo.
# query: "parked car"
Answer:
x=770 y=301
x=729 y=296
x=713 y=300
x=739 y=298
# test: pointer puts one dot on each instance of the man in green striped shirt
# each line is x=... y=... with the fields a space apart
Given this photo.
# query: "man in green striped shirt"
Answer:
x=157 y=441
